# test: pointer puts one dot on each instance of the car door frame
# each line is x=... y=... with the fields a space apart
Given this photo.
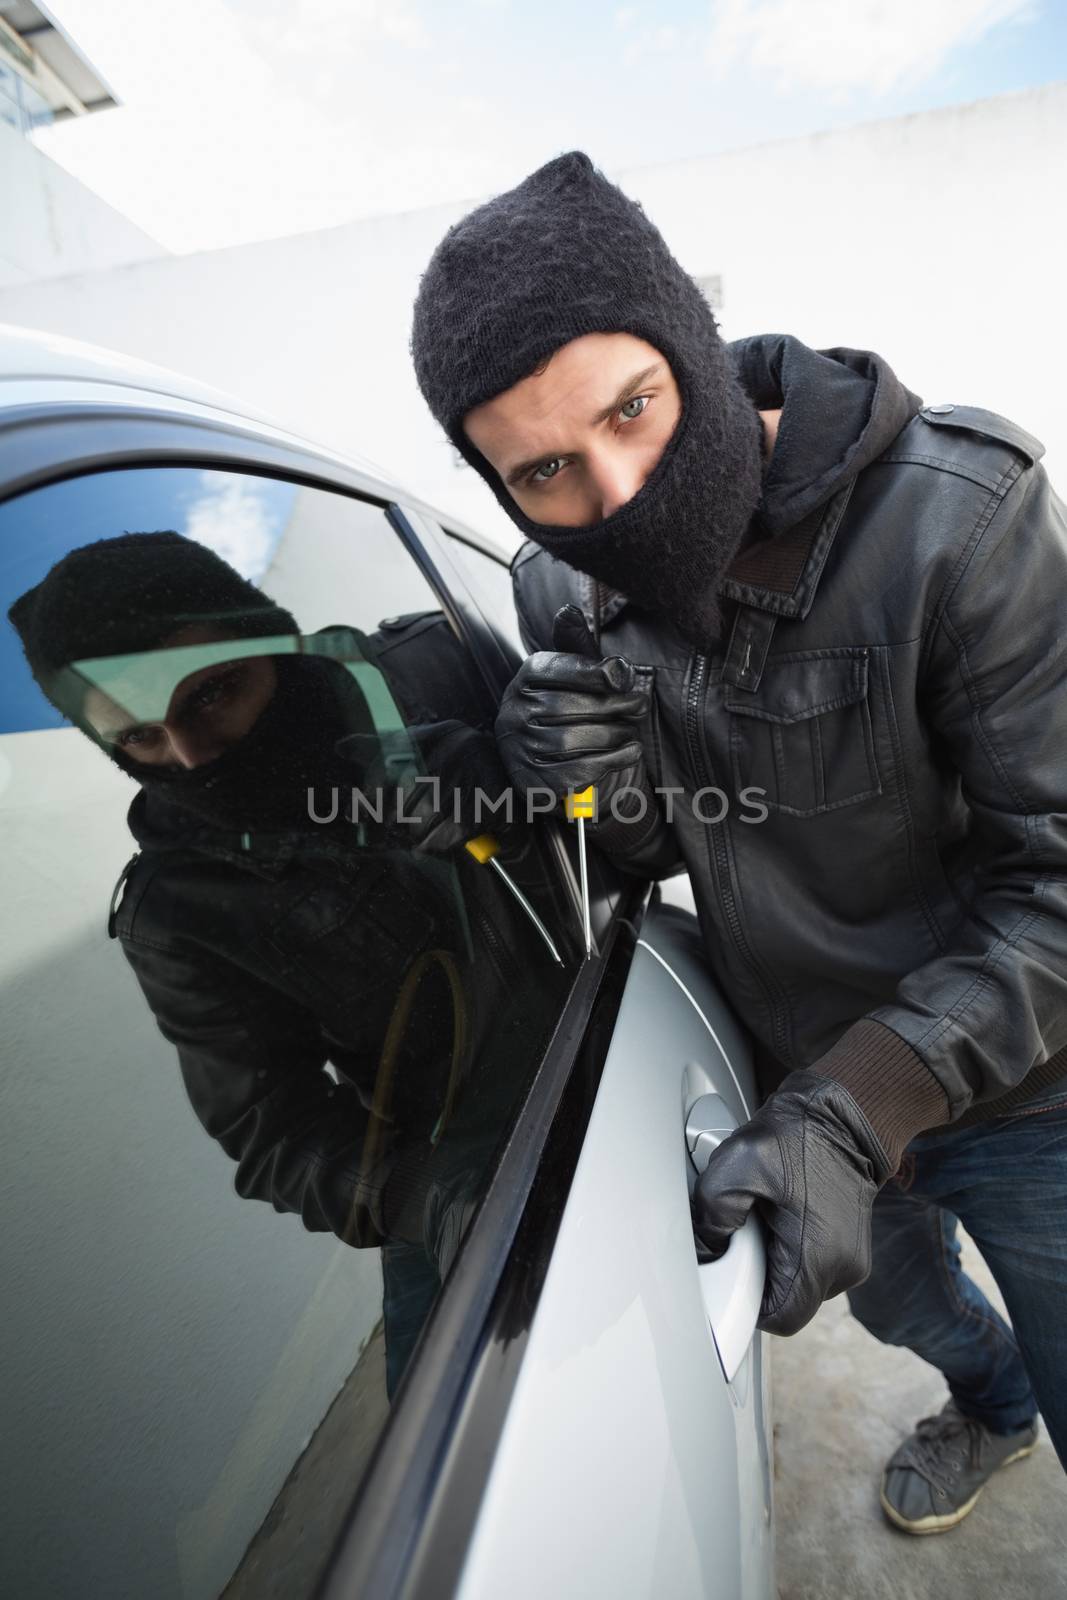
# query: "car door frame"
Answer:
x=416 y=1503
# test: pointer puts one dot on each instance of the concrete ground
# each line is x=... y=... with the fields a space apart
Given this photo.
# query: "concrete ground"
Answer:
x=843 y=1402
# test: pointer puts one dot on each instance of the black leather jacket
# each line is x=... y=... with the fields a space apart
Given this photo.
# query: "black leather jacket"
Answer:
x=894 y=678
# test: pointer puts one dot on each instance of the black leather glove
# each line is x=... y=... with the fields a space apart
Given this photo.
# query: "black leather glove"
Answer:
x=442 y=816
x=569 y=719
x=810 y=1164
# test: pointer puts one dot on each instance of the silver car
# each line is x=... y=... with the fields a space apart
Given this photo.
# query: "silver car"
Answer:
x=543 y=1394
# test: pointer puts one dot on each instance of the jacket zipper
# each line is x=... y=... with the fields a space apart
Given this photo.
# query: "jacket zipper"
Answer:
x=502 y=957
x=776 y=1006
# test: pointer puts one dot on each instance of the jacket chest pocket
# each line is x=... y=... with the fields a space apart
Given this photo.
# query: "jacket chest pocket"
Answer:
x=804 y=736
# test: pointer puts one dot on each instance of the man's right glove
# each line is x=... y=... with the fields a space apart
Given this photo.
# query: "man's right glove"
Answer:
x=570 y=719
x=810 y=1164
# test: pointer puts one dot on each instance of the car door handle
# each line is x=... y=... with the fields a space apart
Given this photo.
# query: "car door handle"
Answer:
x=732 y=1286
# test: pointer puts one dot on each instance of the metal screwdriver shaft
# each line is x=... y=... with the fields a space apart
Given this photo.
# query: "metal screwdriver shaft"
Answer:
x=484 y=849
x=580 y=805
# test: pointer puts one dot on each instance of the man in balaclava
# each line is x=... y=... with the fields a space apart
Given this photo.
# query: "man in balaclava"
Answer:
x=590 y=277
x=765 y=573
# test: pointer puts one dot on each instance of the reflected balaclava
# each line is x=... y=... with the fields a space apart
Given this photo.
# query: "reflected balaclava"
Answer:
x=130 y=594
x=564 y=254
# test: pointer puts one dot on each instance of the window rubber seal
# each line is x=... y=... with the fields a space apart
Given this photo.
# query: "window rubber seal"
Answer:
x=417 y=1504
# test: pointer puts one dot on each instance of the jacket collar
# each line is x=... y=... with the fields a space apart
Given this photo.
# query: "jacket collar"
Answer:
x=841 y=409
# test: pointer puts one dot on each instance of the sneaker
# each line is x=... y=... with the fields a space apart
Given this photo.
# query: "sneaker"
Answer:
x=934 y=1478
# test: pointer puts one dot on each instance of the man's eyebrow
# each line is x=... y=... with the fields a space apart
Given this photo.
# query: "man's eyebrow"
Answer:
x=627 y=392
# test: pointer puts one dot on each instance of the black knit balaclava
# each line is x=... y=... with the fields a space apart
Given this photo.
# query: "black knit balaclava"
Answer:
x=564 y=254
x=128 y=595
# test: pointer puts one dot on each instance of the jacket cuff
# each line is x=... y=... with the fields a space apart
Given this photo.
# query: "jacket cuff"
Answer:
x=629 y=833
x=889 y=1081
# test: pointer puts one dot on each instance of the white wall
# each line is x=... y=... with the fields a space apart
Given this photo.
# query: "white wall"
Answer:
x=53 y=224
x=936 y=239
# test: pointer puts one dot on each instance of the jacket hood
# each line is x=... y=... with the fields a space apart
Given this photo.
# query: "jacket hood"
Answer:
x=840 y=409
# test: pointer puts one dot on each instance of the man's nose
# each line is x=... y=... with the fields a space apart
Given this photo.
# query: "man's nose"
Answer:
x=617 y=478
x=190 y=749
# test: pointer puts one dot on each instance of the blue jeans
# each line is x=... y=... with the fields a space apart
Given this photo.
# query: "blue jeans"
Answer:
x=1006 y=1181
x=410 y=1284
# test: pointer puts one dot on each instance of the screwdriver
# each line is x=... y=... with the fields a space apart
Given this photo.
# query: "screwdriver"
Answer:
x=579 y=805
x=484 y=850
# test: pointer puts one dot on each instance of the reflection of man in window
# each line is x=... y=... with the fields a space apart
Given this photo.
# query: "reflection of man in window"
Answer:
x=213 y=709
x=268 y=946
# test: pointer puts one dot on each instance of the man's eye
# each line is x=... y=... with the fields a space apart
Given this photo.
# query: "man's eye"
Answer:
x=138 y=736
x=215 y=689
x=547 y=470
x=640 y=401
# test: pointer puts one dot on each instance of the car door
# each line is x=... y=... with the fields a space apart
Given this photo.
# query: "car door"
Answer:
x=638 y=1440
x=202 y=1395
x=195 y=1379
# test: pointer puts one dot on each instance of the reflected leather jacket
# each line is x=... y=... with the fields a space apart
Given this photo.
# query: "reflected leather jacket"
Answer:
x=266 y=957
x=893 y=676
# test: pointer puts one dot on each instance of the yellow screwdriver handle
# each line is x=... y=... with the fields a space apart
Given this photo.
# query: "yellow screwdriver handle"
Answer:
x=580 y=805
x=483 y=849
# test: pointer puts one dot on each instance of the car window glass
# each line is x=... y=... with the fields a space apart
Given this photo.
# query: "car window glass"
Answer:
x=244 y=1134
x=490 y=581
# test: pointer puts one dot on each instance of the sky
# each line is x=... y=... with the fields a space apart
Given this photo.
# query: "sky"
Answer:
x=250 y=119
x=241 y=518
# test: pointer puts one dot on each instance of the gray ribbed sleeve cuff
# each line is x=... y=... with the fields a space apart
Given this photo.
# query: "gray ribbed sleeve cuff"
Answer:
x=889 y=1081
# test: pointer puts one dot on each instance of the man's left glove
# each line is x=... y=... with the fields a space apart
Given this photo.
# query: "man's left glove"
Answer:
x=810 y=1164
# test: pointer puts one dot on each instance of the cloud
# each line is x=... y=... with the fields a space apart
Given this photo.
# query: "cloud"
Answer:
x=663 y=39
x=659 y=41
x=325 y=26
x=839 y=46
x=235 y=519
